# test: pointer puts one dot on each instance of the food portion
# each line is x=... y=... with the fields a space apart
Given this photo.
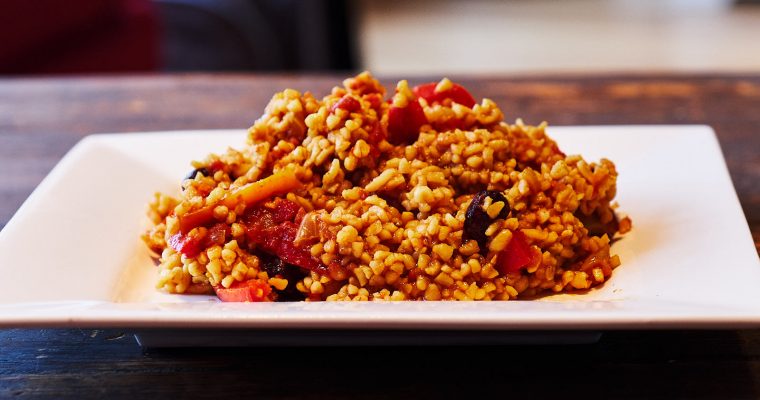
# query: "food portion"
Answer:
x=425 y=194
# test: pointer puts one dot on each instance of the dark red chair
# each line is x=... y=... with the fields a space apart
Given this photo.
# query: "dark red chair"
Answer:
x=78 y=36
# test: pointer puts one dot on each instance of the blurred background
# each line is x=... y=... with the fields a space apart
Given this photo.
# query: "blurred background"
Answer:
x=386 y=37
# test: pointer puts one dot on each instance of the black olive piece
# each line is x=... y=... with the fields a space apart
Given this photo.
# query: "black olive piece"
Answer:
x=274 y=266
x=595 y=226
x=477 y=220
x=195 y=173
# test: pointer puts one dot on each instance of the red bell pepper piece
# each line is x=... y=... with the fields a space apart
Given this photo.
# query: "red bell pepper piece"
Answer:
x=515 y=256
x=404 y=123
x=253 y=290
x=456 y=93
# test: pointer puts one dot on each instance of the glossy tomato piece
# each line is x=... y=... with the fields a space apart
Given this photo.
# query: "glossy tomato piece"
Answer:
x=374 y=99
x=216 y=235
x=188 y=245
x=457 y=93
x=280 y=242
x=404 y=123
x=250 y=291
x=274 y=231
x=516 y=256
x=376 y=135
x=285 y=210
x=348 y=103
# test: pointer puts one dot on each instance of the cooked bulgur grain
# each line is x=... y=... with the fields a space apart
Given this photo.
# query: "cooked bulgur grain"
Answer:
x=426 y=196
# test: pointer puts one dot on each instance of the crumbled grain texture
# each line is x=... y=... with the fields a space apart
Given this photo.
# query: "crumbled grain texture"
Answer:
x=386 y=222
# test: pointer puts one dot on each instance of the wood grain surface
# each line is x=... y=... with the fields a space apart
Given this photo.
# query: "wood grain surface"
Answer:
x=40 y=119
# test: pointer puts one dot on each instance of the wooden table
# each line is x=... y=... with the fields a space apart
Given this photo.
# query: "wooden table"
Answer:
x=40 y=119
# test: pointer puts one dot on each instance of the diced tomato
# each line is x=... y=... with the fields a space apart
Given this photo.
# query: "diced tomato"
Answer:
x=274 y=231
x=192 y=245
x=217 y=235
x=516 y=256
x=337 y=271
x=258 y=221
x=250 y=291
x=280 y=242
x=456 y=93
x=376 y=135
x=374 y=99
x=188 y=245
x=404 y=123
x=285 y=210
x=348 y=103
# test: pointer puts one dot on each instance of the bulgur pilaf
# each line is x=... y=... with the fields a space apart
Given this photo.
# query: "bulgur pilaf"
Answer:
x=426 y=196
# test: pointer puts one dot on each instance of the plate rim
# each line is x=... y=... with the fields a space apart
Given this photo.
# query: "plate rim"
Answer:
x=109 y=314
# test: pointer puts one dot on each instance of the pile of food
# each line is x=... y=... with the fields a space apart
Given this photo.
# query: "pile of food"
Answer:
x=425 y=195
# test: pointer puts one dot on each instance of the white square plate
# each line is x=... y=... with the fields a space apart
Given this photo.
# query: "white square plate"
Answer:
x=72 y=256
